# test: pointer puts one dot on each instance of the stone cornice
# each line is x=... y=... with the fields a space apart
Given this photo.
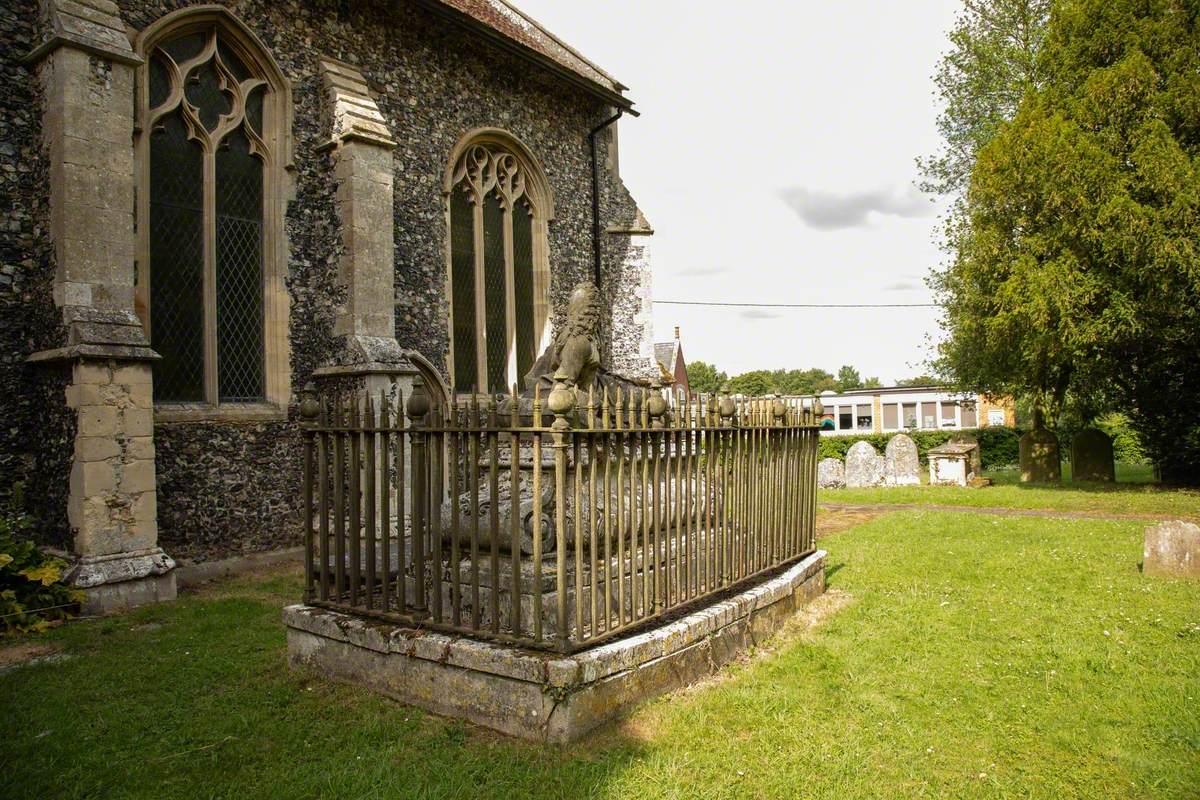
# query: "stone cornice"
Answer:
x=94 y=26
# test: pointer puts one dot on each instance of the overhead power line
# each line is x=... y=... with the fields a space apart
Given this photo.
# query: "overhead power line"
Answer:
x=793 y=305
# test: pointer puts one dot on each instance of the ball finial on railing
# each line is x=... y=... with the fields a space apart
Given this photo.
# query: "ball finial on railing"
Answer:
x=778 y=407
x=656 y=405
x=310 y=407
x=418 y=402
x=726 y=407
x=561 y=400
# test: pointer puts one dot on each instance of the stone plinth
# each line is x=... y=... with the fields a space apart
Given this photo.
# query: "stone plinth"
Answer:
x=864 y=466
x=1092 y=457
x=831 y=474
x=1172 y=548
x=952 y=464
x=537 y=695
x=901 y=464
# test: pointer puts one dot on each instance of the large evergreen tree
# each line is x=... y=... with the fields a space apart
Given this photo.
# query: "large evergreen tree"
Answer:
x=1076 y=254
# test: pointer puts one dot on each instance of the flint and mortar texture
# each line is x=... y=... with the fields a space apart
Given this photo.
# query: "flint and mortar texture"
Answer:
x=229 y=487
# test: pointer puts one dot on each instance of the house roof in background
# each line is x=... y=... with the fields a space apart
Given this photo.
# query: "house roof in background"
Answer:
x=664 y=353
x=515 y=30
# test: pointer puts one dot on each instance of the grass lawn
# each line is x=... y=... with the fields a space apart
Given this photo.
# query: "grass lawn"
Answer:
x=973 y=656
x=1135 y=492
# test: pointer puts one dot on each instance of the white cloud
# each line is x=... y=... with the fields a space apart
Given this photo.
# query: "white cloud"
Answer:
x=836 y=210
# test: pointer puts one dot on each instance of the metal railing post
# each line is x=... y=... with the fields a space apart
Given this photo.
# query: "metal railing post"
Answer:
x=561 y=402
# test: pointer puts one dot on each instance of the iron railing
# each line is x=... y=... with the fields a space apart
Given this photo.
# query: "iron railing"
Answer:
x=482 y=519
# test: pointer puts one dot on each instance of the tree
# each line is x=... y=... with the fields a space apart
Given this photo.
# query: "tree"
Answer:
x=991 y=64
x=755 y=383
x=705 y=378
x=920 y=380
x=872 y=383
x=1074 y=256
x=848 y=378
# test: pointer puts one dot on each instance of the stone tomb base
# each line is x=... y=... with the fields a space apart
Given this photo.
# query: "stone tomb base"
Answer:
x=544 y=696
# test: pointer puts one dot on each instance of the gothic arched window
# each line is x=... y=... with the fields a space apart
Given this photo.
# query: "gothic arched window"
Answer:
x=499 y=206
x=211 y=144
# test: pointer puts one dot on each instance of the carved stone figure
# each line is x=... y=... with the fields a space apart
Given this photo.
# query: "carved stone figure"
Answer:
x=575 y=348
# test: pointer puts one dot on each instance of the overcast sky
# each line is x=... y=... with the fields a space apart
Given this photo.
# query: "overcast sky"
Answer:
x=774 y=158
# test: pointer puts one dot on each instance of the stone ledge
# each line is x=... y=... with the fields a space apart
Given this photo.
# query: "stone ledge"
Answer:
x=537 y=695
x=92 y=571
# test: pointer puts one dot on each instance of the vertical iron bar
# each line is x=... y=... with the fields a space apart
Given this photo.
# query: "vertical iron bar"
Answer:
x=339 y=501
x=514 y=515
x=323 y=493
x=385 y=505
x=369 y=497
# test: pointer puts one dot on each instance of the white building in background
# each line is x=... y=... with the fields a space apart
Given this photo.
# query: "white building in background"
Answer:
x=899 y=408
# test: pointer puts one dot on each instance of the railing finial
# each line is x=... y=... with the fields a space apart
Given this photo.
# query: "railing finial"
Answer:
x=561 y=401
x=656 y=406
x=310 y=407
x=726 y=407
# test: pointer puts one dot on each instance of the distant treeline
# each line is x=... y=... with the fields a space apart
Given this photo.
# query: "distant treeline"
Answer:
x=707 y=378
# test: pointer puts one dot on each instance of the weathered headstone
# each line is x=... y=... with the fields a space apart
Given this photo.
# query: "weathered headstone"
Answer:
x=1092 y=456
x=951 y=464
x=901 y=465
x=976 y=455
x=1172 y=548
x=831 y=474
x=1039 y=457
x=864 y=466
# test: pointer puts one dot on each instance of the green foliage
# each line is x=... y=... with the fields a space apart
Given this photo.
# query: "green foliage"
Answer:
x=872 y=383
x=848 y=378
x=998 y=446
x=705 y=378
x=756 y=382
x=1127 y=444
x=991 y=64
x=1075 y=268
x=920 y=380
x=32 y=593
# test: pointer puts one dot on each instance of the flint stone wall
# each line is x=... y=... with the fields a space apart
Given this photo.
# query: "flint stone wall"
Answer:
x=232 y=487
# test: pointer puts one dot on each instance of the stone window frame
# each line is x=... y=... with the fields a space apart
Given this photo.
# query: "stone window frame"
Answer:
x=277 y=180
x=537 y=192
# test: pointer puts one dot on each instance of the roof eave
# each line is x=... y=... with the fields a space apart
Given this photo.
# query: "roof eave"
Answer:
x=509 y=45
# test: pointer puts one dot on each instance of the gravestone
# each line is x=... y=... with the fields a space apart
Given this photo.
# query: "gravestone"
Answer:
x=864 y=466
x=901 y=465
x=1172 y=548
x=831 y=474
x=976 y=454
x=1039 y=457
x=951 y=464
x=1092 y=456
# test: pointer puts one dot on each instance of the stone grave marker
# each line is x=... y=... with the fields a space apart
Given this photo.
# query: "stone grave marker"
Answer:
x=1039 y=457
x=1172 y=548
x=976 y=455
x=901 y=465
x=831 y=474
x=864 y=466
x=1092 y=456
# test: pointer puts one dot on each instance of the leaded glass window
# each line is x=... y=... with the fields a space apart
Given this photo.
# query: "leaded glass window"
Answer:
x=207 y=167
x=494 y=287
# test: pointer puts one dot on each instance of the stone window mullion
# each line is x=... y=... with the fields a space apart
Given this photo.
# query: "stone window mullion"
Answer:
x=211 y=386
x=497 y=179
x=481 y=365
x=510 y=300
